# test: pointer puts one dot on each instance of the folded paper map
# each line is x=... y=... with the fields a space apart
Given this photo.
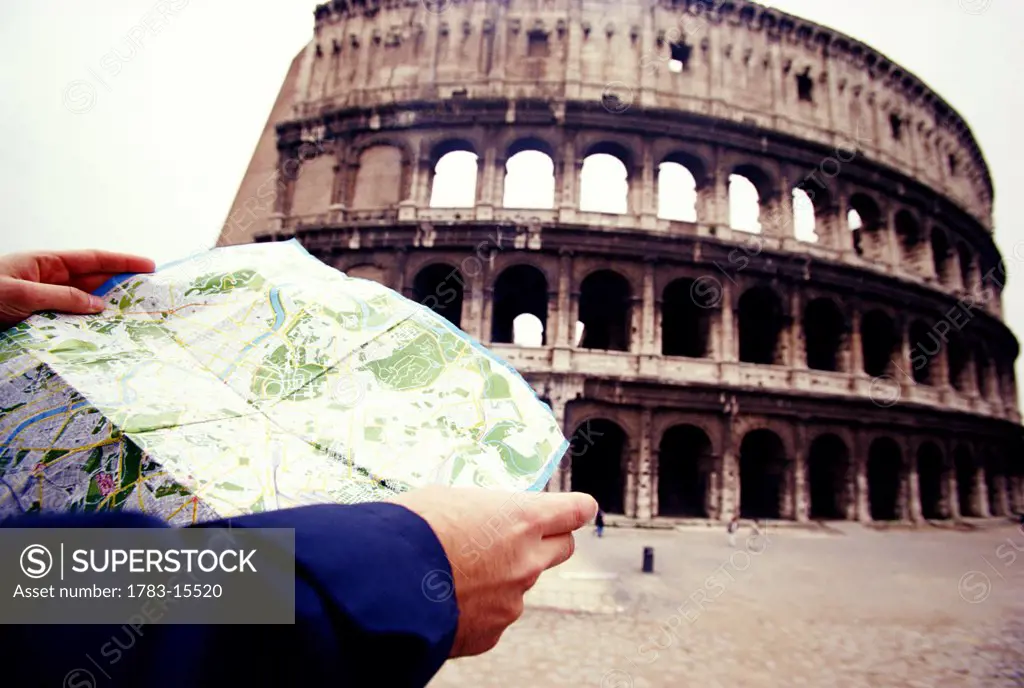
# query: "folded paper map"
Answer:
x=253 y=378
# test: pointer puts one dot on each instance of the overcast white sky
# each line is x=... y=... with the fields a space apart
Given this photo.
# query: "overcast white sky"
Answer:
x=153 y=165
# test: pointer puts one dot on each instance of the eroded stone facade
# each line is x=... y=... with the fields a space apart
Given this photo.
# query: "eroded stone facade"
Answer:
x=867 y=375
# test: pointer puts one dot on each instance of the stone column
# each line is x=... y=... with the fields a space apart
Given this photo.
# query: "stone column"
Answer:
x=780 y=222
x=951 y=487
x=1001 y=507
x=796 y=357
x=647 y=209
x=979 y=493
x=730 y=351
x=558 y=402
x=716 y=200
x=569 y=186
x=801 y=496
x=487 y=319
x=855 y=362
x=636 y=326
x=646 y=481
x=860 y=462
x=649 y=312
x=914 y=511
x=564 y=330
x=729 y=482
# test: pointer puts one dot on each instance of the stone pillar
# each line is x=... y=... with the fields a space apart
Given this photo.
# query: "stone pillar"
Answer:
x=855 y=360
x=730 y=351
x=648 y=197
x=979 y=493
x=716 y=202
x=556 y=484
x=648 y=344
x=780 y=223
x=569 y=186
x=564 y=330
x=860 y=462
x=952 y=492
x=636 y=327
x=913 y=512
x=422 y=174
x=796 y=356
x=729 y=482
x=801 y=495
x=486 y=329
x=574 y=312
x=903 y=496
x=631 y=464
x=1001 y=507
x=646 y=481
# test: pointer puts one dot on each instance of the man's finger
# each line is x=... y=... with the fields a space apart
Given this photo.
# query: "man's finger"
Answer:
x=561 y=513
x=91 y=283
x=556 y=549
x=31 y=297
x=89 y=262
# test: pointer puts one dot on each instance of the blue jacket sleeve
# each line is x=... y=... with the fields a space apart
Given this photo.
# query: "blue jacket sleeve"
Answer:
x=374 y=605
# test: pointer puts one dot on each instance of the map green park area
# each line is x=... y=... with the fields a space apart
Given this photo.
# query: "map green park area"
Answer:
x=254 y=378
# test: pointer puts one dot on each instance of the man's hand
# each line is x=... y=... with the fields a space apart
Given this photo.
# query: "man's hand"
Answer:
x=498 y=544
x=58 y=281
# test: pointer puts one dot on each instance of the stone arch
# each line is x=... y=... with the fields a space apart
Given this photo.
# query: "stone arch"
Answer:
x=762 y=320
x=382 y=177
x=931 y=475
x=455 y=166
x=828 y=477
x=912 y=244
x=764 y=470
x=685 y=325
x=600 y=455
x=880 y=343
x=605 y=311
x=313 y=185
x=605 y=179
x=942 y=257
x=925 y=348
x=813 y=211
x=885 y=479
x=440 y=287
x=685 y=464
x=529 y=175
x=519 y=289
x=825 y=335
x=867 y=228
x=745 y=209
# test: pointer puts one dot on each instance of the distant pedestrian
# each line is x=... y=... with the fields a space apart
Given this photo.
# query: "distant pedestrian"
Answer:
x=733 y=526
x=599 y=523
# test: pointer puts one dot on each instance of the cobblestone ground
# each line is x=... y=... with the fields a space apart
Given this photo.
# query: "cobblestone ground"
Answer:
x=841 y=607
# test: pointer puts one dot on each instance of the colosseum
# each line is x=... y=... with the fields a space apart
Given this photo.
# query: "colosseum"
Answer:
x=747 y=260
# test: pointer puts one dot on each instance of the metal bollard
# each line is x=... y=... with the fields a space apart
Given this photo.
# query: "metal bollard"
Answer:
x=648 y=560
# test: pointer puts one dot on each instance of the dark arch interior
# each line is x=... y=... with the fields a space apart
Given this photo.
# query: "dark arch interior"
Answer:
x=983 y=370
x=925 y=347
x=760 y=322
x=828 y=467
x=440 y=287
x=825 y=332
x=995 y=470
x=605 y=311
x=598 y=463
x=685 y=326
x=941 y=256
x=684 y=468
x=759 y=178
x=929 y=480
x=763 y=468
x=885 y=470
x=958 y=359
x=966 y=481
x=520 y=289
x=879 y=342
x=965 y=260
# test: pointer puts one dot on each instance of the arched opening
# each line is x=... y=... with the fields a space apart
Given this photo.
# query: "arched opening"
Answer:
x=825 y=332
x=983 y=372
x=804 y=221
x=604 y=184
x=879 y=343
x=745 y=200
x=529 y=179
x=929 y=480
x=967 y=482
x=677 y=193
x=763 y=473
x=885 y=475
x=942 y=257
x=313 y=185
x=685 y=326
x=958 y=360
x=913 y=247
x=828 y=465
x=865 y=222
x=685 y=464
x=454 y=182
x=440 y=288
x=379 y=178
x=605 y=311
x=521 y=289
x=598 y=449
x=966 y=261
x=925 y=346
x=761 y=322
x=995 y=482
